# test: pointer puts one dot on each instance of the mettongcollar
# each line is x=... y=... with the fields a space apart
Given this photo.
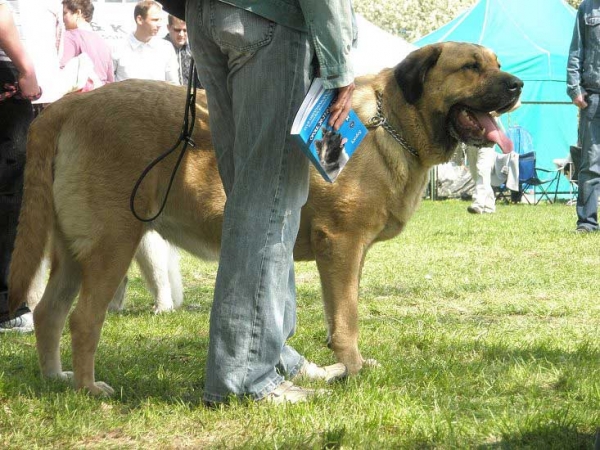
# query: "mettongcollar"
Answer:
x=379 y=120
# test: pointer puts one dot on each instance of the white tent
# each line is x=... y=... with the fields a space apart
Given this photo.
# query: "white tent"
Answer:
x=376 y=48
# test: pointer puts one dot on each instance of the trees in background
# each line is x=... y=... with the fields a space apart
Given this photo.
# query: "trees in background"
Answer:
x=412 y=19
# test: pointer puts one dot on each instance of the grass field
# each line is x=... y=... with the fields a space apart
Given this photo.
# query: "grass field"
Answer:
x=487 y=329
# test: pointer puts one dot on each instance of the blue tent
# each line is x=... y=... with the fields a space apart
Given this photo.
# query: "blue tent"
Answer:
x=531 y=39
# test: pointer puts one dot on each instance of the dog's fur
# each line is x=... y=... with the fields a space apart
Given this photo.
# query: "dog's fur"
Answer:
x=85 y=152
x=158 y=261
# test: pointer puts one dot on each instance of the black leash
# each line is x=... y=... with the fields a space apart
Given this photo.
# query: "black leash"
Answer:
x=185 y=136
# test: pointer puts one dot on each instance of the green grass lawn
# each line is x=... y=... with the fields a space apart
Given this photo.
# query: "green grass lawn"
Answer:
x=487 y=329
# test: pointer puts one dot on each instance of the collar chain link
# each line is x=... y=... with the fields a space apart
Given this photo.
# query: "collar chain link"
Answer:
x=379 y=120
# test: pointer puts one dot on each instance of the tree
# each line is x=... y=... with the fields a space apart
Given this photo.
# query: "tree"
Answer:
x=412 y=19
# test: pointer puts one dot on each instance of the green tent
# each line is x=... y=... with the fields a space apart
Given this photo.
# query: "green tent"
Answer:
x=531 y=39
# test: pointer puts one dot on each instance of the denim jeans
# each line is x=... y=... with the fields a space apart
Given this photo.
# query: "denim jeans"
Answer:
x=255 y=73
x=15 y=117
x=589 y=170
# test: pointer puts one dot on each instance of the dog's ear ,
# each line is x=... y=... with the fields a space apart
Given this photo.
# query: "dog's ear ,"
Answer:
x=410 y=73
x=319 y=145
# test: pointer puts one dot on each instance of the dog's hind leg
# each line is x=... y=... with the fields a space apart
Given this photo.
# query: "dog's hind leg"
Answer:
x=154 y=257
x=51 y=312
x=112 y=262
x=38 y=285
x=175 y=277
x=118 y=301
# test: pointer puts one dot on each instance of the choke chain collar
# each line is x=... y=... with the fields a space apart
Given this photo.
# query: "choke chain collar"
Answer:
x=379 y=120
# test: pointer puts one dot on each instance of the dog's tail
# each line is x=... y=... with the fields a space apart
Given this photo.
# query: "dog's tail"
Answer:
x=37 y=209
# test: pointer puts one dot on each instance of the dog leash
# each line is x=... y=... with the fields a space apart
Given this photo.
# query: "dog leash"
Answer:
x=379 y=120
x=185 y=136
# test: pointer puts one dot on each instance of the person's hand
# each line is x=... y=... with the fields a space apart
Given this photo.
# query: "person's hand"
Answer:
x=580 y=102
x=28 y=85
x=342 y=106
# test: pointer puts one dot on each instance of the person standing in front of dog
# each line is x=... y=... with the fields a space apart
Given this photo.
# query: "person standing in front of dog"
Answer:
x=583 y=86
x=18 y=86
x=256 y=61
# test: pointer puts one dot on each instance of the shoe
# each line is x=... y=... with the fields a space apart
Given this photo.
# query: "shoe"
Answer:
x=475 y=210
x=310 y=371
x=288 y=392
x=582 y=230
x=21 y=324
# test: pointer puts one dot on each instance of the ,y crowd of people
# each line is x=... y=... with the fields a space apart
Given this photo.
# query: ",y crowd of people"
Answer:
x=250 y=56
x=48 y=49
x=254 y=309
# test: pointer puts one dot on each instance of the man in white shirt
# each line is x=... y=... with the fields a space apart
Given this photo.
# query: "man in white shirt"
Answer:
x=143 y=54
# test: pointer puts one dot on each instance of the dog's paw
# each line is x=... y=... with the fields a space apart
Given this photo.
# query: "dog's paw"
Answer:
x=371 y=363
x=100 y=389
x=159 y=309
x=66 y=376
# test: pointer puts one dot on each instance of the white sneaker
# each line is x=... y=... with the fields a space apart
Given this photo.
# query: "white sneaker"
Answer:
x=288 y=392
x=21 y=324
x=310 y=371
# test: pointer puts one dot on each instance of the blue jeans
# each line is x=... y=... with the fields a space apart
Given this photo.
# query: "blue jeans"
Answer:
x=256 y=74
x=589 y=170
